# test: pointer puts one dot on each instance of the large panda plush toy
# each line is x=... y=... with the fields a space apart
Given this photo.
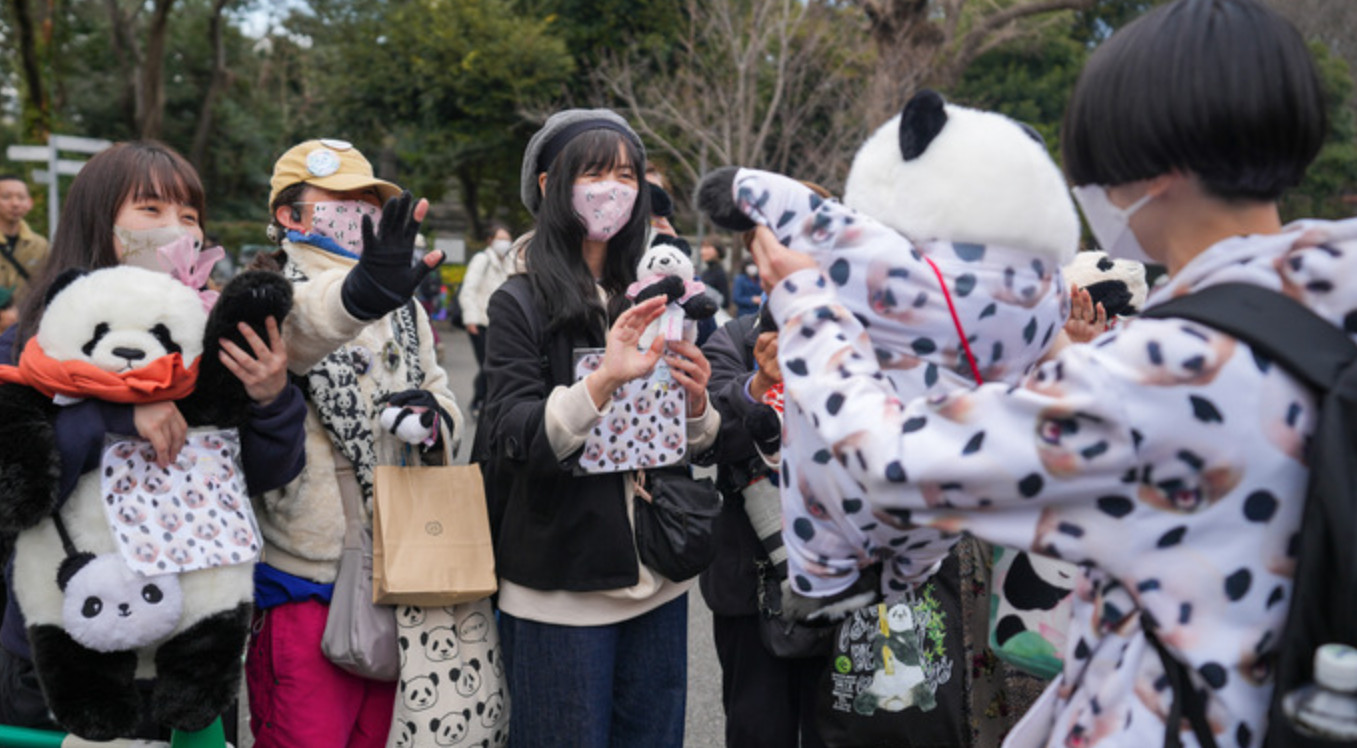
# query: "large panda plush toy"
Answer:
x=94 y=623
x=948 y=246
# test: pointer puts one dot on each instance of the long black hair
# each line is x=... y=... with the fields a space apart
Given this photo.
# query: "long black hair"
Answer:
x=1224 y=89
x=562 y=284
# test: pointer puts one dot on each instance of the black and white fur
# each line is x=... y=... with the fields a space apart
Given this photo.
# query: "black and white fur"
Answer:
x=114 y=318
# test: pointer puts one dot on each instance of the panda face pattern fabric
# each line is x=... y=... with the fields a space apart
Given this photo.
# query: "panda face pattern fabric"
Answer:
x=1165 y=458
x=645 y=423
x=193 y=514
x=452 y=689
x=1010 y=302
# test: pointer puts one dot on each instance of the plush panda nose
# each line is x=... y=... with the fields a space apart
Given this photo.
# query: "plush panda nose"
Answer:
x=131 y=354
x=124 y=609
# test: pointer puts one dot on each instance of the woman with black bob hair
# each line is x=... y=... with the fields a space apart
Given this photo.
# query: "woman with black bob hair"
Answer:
x=595 y=642
x=1165 y=458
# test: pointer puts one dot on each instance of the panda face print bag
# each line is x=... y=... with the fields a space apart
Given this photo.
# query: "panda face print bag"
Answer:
x=193 y=514
x=645 y=427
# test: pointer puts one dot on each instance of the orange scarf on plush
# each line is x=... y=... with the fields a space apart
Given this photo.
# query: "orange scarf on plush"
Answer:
x=166 y=378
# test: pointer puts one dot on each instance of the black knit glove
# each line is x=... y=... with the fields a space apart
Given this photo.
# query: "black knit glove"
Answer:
x=385 y=277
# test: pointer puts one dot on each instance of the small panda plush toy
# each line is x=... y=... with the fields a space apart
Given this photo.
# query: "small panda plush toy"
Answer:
x=948 y=247
x=666 y=270
x=95 y=623
x=1119 y=285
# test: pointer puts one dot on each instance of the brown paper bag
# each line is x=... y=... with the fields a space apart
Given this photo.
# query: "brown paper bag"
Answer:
x=430 y=536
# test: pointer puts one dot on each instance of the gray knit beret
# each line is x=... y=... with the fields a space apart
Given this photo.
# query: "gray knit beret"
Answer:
x=561 y=128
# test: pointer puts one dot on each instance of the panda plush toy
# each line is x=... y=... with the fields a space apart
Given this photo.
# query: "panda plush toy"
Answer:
x=1119 y=285
x=94 y=624
x=667 y=270
x=948 y=246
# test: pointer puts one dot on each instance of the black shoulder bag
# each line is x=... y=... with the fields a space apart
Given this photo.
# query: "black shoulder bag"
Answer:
x=1324 y=599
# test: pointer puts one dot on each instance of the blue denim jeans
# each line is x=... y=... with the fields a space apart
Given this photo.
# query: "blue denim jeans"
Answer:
x=618 y=686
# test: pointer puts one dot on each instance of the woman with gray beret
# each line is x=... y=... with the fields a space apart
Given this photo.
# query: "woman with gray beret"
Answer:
x=595 y=641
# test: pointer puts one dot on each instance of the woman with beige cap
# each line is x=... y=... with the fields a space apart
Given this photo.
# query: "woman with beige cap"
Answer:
x=365 y=355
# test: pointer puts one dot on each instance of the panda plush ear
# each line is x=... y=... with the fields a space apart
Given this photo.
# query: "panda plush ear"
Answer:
x=921 y=121
x=62 y=281
x=69 y=566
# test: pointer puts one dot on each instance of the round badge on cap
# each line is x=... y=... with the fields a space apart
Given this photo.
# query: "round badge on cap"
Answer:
x=337 y=145
x=322 y=162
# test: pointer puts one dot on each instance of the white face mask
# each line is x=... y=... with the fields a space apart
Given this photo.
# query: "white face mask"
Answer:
x=140 y=245
x=501 y=245
x=1111 y=225
x=752 y=271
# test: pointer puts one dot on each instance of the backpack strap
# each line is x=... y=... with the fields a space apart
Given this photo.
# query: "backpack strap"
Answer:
x=1323 y=605
x=1276 y=326
x=7 y=251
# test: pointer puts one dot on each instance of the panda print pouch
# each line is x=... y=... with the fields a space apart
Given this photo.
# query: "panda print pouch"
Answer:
x=194 y=514
x=646 y=426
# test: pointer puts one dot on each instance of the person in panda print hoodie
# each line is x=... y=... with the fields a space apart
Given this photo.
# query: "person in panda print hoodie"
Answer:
x=1164 y=457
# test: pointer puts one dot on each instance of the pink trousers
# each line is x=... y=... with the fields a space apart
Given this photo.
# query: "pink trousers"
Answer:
x=298 y=699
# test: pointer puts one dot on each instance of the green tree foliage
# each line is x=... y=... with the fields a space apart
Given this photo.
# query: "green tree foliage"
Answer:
x=1333 y=175
x=442 y=86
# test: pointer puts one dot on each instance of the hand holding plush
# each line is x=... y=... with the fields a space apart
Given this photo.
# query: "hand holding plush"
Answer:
x=412 y=416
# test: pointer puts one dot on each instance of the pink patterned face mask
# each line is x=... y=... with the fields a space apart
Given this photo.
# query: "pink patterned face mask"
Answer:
x=604 y=207
x=342 y=222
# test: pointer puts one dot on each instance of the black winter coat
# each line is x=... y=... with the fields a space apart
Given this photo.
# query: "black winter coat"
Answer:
x=553 y=530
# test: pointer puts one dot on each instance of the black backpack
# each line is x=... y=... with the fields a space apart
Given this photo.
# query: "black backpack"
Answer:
x=1324 y=599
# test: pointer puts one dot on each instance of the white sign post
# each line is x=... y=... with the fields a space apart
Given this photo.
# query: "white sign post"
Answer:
x=56 y=166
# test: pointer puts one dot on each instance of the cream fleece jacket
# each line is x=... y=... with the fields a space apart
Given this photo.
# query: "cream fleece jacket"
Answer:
x=303 y=523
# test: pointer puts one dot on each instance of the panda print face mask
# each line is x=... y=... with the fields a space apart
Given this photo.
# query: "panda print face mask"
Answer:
x=341 y=221
x=604 y=207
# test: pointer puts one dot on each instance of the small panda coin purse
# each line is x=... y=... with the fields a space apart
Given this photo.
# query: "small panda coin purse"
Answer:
x=193 y=514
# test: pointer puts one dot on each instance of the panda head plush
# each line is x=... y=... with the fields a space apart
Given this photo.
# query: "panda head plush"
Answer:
x=1119 y=285
x=666 y=270
x=123 y=319
x=110 y=608
x=942 y=171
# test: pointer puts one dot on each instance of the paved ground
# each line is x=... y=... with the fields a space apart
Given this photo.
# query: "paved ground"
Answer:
x=706 y=722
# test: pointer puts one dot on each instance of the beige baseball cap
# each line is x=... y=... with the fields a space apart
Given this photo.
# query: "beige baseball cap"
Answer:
x=329 y=164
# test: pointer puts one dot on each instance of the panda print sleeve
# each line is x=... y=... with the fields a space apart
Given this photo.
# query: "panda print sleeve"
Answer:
x=1163 y=457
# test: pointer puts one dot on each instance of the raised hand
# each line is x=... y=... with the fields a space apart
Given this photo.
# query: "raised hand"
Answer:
x=384 y=277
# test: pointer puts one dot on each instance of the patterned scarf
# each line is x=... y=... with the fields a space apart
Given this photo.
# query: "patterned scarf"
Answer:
x=333 y=388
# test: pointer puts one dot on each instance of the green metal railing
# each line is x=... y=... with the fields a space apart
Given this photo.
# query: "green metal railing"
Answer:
x=213 y=736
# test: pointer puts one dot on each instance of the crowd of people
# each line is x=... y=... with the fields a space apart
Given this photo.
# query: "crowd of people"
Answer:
x=1177 y=542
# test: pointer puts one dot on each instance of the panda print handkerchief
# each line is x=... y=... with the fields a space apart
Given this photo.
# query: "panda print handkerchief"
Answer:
x=194 y=514
x=644 y=427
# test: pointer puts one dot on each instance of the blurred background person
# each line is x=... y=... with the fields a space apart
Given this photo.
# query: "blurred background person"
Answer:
x=487 y=270
x=23 y=250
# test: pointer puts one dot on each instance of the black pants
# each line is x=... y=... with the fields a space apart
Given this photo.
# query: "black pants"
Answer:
x=478 y=386
x=769 y=701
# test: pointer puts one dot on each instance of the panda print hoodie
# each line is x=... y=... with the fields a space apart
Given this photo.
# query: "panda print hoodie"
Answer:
x=932 y=309
x=1164 y=458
